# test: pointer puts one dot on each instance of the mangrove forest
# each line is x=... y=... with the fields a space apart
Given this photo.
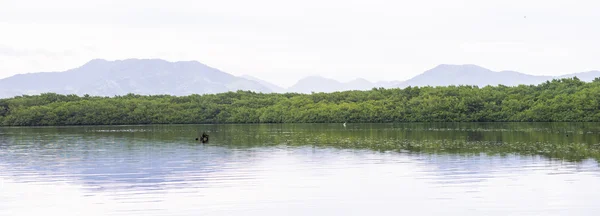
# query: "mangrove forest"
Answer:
x=559 y=100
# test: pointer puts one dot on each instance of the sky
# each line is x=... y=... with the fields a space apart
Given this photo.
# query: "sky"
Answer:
x=282 y=41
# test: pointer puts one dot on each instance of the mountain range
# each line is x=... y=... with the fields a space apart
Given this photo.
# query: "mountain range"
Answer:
x=441 y=75
x=155 y=76
x=139 y=76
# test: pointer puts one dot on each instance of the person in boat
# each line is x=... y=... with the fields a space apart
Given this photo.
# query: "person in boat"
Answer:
x=203 y=138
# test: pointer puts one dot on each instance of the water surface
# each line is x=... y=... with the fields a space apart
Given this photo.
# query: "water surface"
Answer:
x=302 y=169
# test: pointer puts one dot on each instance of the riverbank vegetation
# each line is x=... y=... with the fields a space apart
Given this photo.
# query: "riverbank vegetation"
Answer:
x=553 y=101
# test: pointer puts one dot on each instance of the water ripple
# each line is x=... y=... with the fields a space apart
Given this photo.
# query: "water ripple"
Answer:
x=142 y=171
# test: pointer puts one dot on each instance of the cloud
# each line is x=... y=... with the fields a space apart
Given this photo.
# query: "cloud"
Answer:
x=283 y=41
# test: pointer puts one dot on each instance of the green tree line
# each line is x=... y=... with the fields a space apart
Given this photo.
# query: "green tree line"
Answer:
x=559 y=100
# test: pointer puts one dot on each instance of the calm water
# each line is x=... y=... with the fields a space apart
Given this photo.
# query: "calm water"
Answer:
x=302 y=169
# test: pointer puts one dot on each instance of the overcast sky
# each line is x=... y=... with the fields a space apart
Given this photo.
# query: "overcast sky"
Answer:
x=282 y=41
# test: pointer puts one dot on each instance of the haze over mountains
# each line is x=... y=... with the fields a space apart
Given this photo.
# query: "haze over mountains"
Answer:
x=147 y=76
x=442 y=75
x=155 y=76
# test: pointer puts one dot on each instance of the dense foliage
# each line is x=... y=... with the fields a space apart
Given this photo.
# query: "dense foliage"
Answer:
x=557 y=100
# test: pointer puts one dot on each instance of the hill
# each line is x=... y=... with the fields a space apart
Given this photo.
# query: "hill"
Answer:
x=139 y=76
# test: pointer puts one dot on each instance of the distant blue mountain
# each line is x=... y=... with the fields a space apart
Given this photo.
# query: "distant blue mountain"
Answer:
x=139 y=76
x=445 y=75
x=155 y=76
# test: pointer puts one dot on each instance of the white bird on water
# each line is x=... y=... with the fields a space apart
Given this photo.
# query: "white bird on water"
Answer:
x=344 y=124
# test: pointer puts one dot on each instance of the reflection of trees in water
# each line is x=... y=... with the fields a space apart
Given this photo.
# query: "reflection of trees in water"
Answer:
x=492 y=138
x=475 y=136
x=521 y=138
x=495 y=139
x=113 y=161
x=143 y=156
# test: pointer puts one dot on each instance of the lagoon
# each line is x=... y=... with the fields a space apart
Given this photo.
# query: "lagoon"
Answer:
x=302 y=169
